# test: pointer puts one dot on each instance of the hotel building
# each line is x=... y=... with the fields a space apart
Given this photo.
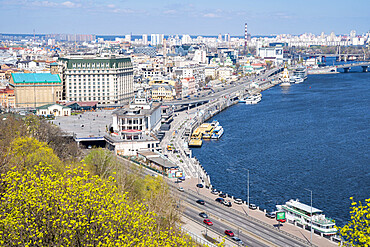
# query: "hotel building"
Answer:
x=108 y=80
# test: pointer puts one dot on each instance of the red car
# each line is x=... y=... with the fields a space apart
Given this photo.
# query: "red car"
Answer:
x=282 y=220
x=229 y=233
x=208 y=222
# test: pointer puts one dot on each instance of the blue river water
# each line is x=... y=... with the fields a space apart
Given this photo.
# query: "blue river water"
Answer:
x=313 y=135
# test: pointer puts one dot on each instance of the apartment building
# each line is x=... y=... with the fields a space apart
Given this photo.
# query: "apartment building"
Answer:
x=108 y=79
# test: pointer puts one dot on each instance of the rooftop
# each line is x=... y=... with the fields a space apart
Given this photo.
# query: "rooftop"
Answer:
x=303 y=207
x=35 y=78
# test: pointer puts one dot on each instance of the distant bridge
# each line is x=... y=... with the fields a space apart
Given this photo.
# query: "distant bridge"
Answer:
x=348 y=66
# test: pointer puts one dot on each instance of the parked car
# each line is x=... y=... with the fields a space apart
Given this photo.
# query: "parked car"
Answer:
x=201 y=202
x=203 y=215
x=200 y=185
x=238 y=201
x=208 y=222
x=252 y=206
x=238 y=240
x=270 y=215
x=222 y=195
x=229 y=233
x=220 y=200
x=181 y=189
x=215 y=192
x=227 y=203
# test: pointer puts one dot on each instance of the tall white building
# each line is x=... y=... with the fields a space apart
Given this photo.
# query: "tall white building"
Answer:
x=145 y=39
x=108 y=80
x=186 y=39
x=156 y=39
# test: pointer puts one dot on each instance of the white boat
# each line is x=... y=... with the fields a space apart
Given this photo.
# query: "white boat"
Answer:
x=301 y=73
x=241 y=100
x=285 y=84
x=299 y=80
x=253 y=99
x=217 y=132
x=299 y=214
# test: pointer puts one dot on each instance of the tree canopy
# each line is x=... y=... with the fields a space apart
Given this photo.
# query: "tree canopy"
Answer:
x=357 y=230
x=44 y=208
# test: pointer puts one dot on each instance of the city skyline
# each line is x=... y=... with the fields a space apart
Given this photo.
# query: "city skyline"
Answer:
x=117 y=17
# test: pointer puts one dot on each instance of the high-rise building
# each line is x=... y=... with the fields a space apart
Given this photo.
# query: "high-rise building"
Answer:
x=245 y=35
x=108 y=80
x=156 y=39
x=128 y=37
x=145 y=39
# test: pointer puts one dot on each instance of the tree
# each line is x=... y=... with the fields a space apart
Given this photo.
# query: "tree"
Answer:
x=357 y=230
x=26 y=152
x=44 y=208
x=102 y=162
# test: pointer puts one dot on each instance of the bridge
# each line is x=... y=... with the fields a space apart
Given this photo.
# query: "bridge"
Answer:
x=348 y=66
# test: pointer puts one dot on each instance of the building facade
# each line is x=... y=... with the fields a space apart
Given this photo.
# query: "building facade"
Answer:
x=36 y=89
x=7 y=98
x=108 y=80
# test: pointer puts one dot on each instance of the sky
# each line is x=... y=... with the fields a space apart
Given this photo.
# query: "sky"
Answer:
x=194 y=17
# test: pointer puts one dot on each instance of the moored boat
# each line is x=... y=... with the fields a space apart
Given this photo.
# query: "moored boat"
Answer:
x=300 y=214
x=217 y=132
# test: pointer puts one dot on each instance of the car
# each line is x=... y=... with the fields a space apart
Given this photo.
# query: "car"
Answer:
x=282 y=220
x=222 y=195
x=252 y=206
x=229 y=233
x=227 y=203
x=208 y=222
x=270 y=215
x=215 y=192
x=181 y=189
x=238 y=240
x=200 y=185
x=203 y=215
x=220 y=200
x=201 y=202
x=238 y=201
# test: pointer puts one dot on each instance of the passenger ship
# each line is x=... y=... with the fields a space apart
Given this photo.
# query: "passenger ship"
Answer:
x=300 y=214
x=217 y=132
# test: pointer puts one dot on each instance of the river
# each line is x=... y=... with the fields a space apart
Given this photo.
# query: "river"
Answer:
x=313 y=135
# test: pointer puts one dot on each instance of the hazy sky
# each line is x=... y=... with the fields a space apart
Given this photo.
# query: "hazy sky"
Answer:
x=203 y=17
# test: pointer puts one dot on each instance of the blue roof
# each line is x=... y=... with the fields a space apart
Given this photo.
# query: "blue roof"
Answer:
x=35 y=78
x=54 y=63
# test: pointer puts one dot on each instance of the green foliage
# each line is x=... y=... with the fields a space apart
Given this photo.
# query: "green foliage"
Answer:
x=357 y=230
x=27 y=152
x=43 y=208
x=102 y=162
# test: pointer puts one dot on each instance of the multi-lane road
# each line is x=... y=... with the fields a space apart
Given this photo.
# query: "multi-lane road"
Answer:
x=251 y=232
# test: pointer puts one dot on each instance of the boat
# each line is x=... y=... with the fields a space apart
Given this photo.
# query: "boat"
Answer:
x=241 y=100
x=300 y=73
x=285 y=84
x=195 y=142
x=300 y=214
x=253 y=99
x=217 y=132
x=299 y=80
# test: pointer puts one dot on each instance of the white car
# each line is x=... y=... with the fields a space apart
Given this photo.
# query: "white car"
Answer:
x=181 y=189
x=238 y=201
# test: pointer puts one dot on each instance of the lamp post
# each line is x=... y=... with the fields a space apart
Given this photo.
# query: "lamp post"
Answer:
x=248 y=192
x=311 y=216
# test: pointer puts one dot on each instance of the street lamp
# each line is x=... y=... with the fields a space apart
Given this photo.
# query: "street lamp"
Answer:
x=311 y=215
x=248 y=192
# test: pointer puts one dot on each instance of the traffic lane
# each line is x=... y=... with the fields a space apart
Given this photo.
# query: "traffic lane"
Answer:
x=266 y=233
x=220 y=228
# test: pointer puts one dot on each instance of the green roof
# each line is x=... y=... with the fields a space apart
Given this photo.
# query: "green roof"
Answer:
x=35 y=78
x=48 y=105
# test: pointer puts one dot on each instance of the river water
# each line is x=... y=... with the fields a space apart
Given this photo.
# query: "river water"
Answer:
x=313 y=135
